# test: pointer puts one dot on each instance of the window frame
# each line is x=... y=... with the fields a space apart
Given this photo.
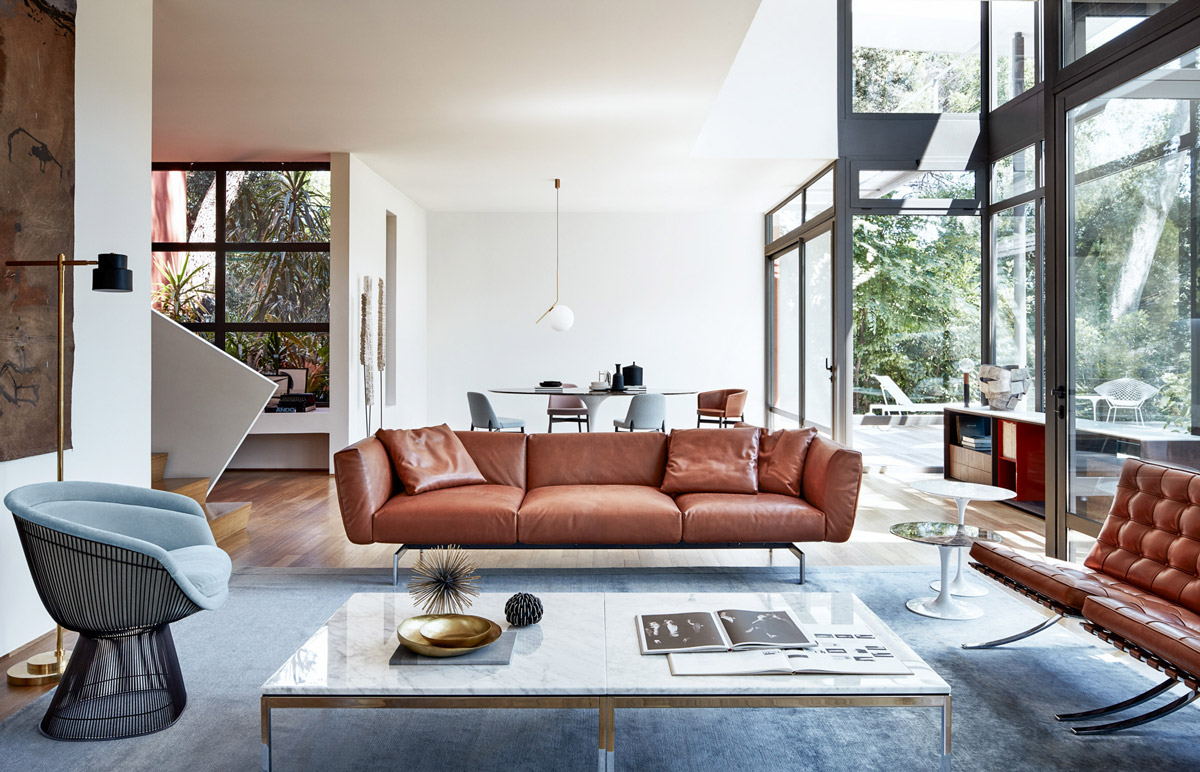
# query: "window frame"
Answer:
x=221 y=248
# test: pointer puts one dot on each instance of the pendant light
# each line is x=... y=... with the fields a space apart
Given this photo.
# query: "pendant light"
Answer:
x=560 y=316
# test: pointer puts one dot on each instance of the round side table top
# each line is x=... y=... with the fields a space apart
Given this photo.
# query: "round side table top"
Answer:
x=944 y=534
x=956 y=489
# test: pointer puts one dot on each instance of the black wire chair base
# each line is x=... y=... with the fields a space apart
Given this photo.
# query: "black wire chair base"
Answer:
x=118 y=687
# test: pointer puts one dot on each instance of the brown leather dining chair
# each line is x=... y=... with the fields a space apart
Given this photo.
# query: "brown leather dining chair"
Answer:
x=564 y=408
x=723 y=407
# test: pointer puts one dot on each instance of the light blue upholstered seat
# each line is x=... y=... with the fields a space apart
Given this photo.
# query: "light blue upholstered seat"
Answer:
x=646 y=411
x=484 y=417
x=167 y=527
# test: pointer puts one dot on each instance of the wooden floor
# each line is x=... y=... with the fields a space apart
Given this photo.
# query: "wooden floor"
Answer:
x=295 y=522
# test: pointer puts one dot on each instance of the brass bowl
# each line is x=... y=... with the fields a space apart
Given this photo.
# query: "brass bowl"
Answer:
x=456 y=631
x=409 y=633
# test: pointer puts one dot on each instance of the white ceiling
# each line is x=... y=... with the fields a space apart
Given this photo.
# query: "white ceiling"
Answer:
x=476 y=105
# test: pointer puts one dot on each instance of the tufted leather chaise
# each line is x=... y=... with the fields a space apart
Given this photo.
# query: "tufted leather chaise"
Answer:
x=1138 y=589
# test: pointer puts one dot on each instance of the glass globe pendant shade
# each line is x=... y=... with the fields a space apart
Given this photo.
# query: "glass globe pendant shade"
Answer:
x=561 y=318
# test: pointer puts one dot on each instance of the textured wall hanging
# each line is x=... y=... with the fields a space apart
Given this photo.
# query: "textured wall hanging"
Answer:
x=37 y=217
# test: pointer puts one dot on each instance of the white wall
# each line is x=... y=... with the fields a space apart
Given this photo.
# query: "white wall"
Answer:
x=362 y=202
x=682 y=294
x=111 y=396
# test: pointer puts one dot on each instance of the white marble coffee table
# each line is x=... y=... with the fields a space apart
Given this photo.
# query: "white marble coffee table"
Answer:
x=637 y=681
x=583 y=655
x=345 y=663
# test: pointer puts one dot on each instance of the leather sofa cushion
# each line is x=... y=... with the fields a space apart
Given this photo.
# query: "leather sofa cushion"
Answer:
x=1165 y=629
x=1151 y=537
x=500 y=456
x=430 y=458
x=757 y=517
x=598 y=514
x=712 y=461
x=781 y=459
x=475 y=514
x=1065 y=584
x=596 y=459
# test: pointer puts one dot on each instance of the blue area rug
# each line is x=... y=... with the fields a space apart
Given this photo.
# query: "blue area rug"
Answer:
x=1004 y=699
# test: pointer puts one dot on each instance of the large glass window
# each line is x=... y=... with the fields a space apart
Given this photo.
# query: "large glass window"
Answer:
x=253 y=278
x=1089 y=24
x=785 y=332
x=1016 y=174
x=916 y=56
x=916 y=314
x=1015 y=48
x=1016 y=255
x=907 y=184
x=1132 y=218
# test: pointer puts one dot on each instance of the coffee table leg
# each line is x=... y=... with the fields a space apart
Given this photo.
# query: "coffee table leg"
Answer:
x=944 y=606
x=266 y=734
x=946 y=749
x=607 y=757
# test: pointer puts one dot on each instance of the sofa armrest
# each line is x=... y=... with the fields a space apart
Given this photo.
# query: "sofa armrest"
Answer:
x=364 y=484
x=830 y=482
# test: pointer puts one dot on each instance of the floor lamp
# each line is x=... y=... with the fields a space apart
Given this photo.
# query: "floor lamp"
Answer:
x=112 y=274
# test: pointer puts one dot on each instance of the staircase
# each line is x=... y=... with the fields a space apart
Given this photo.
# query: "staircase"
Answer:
x=225 y=518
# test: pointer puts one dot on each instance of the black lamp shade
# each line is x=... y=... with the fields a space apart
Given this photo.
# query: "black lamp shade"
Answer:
x=112 y=275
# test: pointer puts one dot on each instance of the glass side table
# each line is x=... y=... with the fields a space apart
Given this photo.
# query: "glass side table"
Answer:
x=947 y=537
x=963 y=493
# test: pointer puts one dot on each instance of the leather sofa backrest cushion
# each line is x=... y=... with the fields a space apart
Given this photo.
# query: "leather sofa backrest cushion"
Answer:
x=430 y=458
x=781 y=459
x=712 y=461
x=600 y=458
x=1151 y=537
x=500 y=456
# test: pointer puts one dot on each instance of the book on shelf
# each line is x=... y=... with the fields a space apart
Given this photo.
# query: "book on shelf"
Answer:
x=839 y=650
x=722 y=631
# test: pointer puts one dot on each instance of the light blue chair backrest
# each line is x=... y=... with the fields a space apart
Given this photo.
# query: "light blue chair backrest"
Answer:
x=482 y=414
x=647 y=411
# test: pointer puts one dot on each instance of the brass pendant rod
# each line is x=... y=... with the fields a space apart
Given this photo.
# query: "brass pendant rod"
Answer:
x=557 y=183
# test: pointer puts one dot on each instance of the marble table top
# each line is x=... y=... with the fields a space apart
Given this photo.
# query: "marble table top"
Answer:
x=585 y=645
x=349 y=654
x=632 y=673
x=955 y=489
x=944 y=534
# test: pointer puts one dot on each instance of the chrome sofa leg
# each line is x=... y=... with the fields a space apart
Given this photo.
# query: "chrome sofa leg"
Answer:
x=1145 y=718
x=799 y=553
x=396 y=565
x=1149 y=694
x=1019 y=636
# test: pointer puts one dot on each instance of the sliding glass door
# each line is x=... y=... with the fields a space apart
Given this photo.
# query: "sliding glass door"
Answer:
x=818 y=330
x=1132 y=223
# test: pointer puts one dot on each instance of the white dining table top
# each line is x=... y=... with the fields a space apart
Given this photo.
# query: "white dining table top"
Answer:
x=583 y=392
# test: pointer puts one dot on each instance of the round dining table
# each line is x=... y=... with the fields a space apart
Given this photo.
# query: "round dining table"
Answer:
x=591 y=398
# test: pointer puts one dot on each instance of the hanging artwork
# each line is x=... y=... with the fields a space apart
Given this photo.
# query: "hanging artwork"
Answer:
x=37 y=217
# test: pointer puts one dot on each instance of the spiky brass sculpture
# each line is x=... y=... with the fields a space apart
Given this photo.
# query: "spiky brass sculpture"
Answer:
x=443 y=581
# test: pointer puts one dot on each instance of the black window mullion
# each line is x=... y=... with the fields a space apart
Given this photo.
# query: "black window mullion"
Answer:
x=219 y=267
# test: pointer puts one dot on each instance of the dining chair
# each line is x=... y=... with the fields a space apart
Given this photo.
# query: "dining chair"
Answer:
x=483 y=417
x=723 y=407
x=647 y=412
x=118 y=564
x=1126 y=394
x=564 y=408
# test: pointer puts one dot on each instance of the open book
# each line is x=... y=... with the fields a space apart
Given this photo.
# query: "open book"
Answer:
x=725 y=630
x=840 y=650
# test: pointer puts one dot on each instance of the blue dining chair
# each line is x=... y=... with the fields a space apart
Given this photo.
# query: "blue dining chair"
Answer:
x=646 y=411
x=483 y=417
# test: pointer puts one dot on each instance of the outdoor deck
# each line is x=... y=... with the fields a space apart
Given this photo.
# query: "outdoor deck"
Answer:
x=913 y=442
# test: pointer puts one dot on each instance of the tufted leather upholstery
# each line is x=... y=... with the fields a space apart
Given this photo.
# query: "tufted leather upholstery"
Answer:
x=1164 y=629
x=1151 y=538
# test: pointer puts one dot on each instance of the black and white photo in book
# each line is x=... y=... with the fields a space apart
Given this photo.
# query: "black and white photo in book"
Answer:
x=723 y=630
x=840 y=650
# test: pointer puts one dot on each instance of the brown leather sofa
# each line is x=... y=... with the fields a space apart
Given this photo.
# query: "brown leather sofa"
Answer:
x=1138 y=589
x=589 y=490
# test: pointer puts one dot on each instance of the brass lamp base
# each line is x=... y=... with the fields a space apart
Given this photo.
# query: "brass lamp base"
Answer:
x=39 y=670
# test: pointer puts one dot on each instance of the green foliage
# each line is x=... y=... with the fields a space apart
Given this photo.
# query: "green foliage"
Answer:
x=184 y=294
x=916 y=303
x=893 y=81
x=271 y=352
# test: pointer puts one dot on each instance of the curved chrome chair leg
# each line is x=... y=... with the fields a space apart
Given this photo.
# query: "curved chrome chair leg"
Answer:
x=1149 y=694
x=1167 y=709
x=1019 y=636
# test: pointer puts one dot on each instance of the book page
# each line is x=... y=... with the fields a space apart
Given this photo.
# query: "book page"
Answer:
x=685 y=631
x=846 y=650
x=775 y=629
x=760 y=662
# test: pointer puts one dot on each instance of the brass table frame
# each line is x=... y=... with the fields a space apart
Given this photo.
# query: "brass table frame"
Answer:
x=606 y=707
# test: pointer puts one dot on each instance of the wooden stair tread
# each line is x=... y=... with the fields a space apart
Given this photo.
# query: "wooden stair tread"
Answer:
x=226 y=518
x=178 y=483
x=158 y=466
